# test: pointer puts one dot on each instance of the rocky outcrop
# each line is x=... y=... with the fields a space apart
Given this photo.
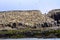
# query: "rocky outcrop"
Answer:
x=55 y=14
x=22 y=19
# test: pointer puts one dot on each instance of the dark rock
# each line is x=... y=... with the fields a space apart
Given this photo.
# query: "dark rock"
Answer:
x=29 y=34
x=54 y=14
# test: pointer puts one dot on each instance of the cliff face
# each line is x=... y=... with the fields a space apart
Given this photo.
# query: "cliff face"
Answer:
x=55 y=14
x=27 y=17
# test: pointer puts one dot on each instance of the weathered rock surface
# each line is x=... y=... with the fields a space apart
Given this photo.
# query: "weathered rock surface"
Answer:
x=20 y=18
x=55 y=14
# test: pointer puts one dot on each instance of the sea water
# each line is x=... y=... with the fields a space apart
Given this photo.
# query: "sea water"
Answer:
x=33 y=39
